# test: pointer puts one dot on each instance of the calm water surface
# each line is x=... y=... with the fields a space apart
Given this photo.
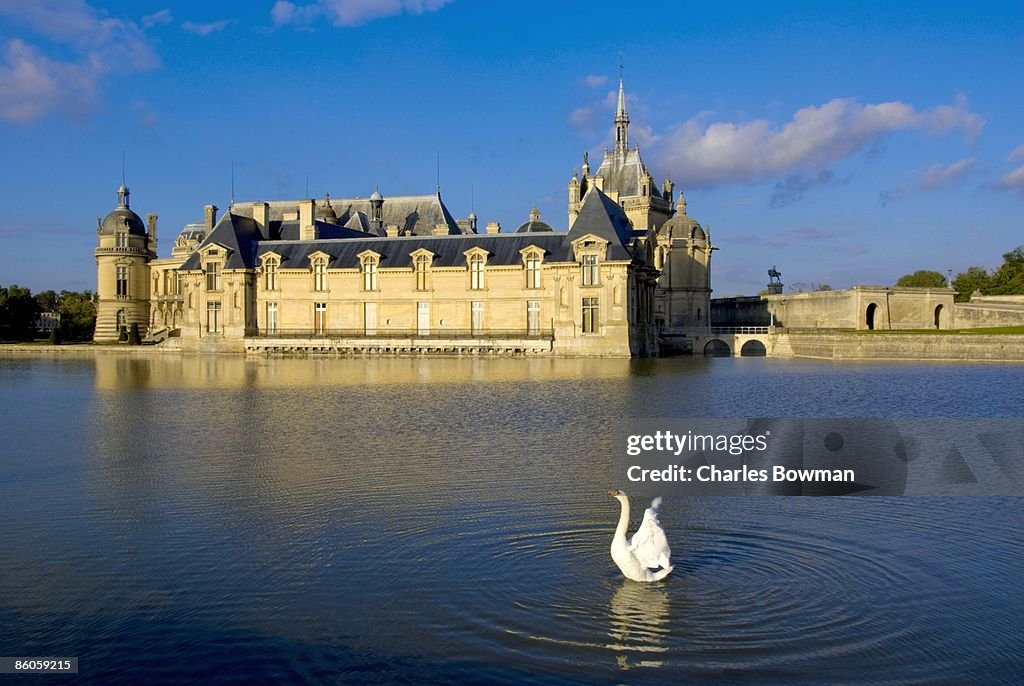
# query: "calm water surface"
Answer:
x=220 y=520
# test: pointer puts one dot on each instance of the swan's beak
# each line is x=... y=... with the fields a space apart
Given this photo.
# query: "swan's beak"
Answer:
x=612 y=491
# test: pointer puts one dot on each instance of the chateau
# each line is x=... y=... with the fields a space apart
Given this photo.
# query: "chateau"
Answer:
x=630 y=276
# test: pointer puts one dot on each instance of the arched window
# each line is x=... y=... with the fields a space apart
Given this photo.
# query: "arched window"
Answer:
x=320 y=274
x=533 y=270
x=476 y=272
x=422 y=262
x=270 y=274
x=370 y=274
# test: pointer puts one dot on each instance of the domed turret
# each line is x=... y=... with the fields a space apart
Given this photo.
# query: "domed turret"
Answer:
x=534 y=224
x=122 y=216
x=325 y=211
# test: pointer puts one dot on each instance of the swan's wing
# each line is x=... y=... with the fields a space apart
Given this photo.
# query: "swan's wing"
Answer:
x=649 y=543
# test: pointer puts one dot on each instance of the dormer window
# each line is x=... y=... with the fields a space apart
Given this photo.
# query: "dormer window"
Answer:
x=421 y=265
x=212 y=270
x=270 y=273
x=370 y=263
x=591 y=270
x=122 y=239
x=319 y=273
x=476 y=272
x=533 y=279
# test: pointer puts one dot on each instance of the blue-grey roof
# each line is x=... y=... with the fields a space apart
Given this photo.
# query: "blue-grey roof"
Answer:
x=599 y=215
x=240 y=235
x=448 y=251
x=602 y=216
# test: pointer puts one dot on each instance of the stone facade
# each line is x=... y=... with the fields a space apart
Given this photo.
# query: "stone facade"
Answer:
x=682 y=247
x=863 y=307
x=401 y=275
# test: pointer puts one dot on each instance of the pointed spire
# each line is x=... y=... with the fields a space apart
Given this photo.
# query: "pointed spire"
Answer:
x=621 y=120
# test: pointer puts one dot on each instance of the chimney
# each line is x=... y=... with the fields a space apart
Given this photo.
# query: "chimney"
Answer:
x=493 y=227
x=151 y=229
x=211 y=217
x=260 y=213
x=391 y=230
x=307 y=220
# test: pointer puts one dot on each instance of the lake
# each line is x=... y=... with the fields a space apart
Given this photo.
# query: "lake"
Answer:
x=227 y=520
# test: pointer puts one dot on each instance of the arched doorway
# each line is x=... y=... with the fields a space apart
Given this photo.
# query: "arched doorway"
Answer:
x=938 y=317
x=717 y=348
x=870 y=316
x=753 y=348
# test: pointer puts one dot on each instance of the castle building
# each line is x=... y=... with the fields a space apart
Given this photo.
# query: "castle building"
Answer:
x=400 y=274
x=682 y=247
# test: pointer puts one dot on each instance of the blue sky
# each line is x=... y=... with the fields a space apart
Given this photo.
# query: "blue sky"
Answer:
x=845 y=144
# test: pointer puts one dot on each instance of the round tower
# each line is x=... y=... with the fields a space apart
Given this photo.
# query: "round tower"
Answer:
x=123 y=251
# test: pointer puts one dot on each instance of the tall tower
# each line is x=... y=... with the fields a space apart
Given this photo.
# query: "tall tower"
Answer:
x=123 y=251
x=621 y=122
x=624 y=177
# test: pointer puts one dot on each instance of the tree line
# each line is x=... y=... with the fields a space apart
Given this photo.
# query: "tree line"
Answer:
x=1006 y=279
x=20 y=310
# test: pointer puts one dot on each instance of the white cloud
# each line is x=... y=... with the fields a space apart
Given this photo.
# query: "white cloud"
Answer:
x=92 y=45
x=594 y=80
x=157 y=19
x=939 y=175
x=707 y=154
x=1013 y=180
x=205 y=29
x=349 y=12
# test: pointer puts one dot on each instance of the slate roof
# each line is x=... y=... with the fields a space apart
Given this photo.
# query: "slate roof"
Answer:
x=602 y=216
x=623 y=173
x=599 y=215
x=240 y=235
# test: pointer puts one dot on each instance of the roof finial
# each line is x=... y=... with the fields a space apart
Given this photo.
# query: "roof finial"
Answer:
x=232 y=182
x=122 y=168
x=621 y=117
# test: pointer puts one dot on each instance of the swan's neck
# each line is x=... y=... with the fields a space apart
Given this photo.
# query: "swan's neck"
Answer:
x=620 y=530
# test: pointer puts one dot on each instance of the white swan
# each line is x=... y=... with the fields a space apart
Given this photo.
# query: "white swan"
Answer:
x=648 y=548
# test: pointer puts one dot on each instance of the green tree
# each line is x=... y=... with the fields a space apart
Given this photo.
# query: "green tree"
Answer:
x=823 y=287
x=18 y=313
x=48 y=301
x=974 y=279
x=922 y=278
x=1009 y=278
x=77 y=315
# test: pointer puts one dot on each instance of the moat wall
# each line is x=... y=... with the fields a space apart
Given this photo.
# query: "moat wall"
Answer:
x=898 y=346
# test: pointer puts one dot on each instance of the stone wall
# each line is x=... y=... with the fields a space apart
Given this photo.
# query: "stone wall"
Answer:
x=898 y=346
x=991 y=310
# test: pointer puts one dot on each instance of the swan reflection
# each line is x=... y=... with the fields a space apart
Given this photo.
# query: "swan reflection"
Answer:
x=639 y=623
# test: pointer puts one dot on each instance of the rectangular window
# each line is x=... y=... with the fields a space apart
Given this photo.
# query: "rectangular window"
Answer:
x=591 y=315
x=270 y=272
x=320 y=318
x=532 y=317
x=122 y=240
x=477 y=319
x=122 y=282
x=213 y=316
x=213 y=276
x=423 y=319
x=271 y=318
x=533 y=271
x=591 y=275
x=370 y=275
